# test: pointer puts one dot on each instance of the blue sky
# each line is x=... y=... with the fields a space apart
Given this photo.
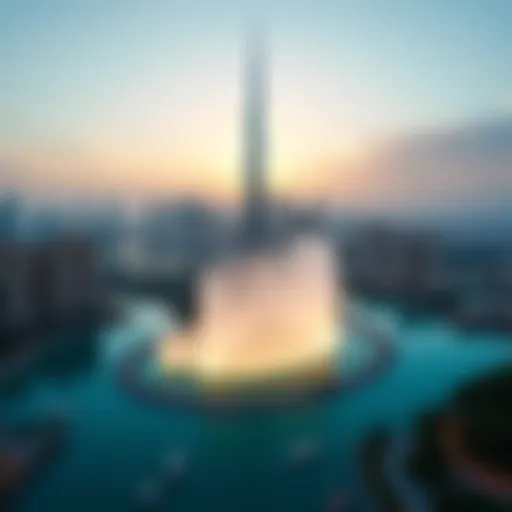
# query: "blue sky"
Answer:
x=145 y=95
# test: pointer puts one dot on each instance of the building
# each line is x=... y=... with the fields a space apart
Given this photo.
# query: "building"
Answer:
x=69 y=280
x=173 y=227
x=45 y=223
x=255 y=148
x=45 y=286
x=18 y=275
x=10 y=217
x=395 y=263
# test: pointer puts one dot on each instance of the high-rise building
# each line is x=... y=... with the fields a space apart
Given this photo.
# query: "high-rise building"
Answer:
x=46 y=286
x=18 y=308
x=255 y=141
x=70 y=282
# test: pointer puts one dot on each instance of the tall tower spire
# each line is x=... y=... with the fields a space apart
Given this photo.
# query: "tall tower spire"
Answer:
x=255 y=138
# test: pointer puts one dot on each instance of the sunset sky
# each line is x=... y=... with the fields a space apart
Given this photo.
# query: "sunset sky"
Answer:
x=144 y=97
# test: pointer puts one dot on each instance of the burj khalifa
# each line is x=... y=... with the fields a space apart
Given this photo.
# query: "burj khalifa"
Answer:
x=255 y=143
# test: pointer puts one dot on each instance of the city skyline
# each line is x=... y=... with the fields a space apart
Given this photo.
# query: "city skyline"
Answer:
x=145 y=99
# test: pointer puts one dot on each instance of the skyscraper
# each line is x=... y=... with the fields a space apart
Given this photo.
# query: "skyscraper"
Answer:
x=255 y=141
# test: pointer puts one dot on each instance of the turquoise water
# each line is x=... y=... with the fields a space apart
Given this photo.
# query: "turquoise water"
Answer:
x=117 y=444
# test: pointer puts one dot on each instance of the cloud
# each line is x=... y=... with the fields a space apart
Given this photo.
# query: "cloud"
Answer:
x=453 y=169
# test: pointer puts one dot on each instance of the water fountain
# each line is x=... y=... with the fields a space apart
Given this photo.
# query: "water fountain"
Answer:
x=272 y=324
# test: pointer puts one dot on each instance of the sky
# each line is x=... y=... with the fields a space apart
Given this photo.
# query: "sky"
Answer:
x=144 y=97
